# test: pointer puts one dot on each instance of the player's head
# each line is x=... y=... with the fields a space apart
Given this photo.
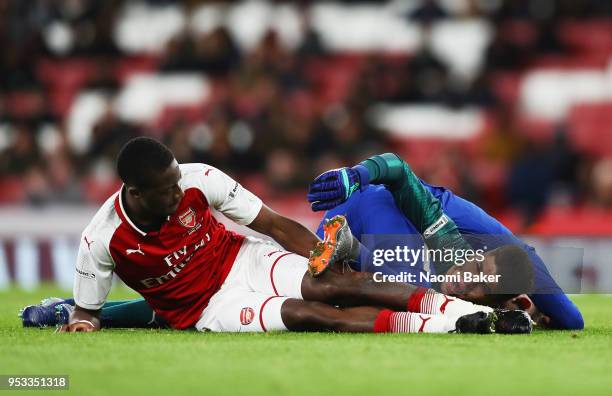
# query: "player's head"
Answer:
x=151 y=176
x=515 y=276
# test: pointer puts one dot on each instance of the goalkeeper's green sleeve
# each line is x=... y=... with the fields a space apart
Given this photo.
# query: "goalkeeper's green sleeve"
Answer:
x=417 y=203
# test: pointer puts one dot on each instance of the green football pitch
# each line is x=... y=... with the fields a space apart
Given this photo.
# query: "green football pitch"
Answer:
x=165 y=362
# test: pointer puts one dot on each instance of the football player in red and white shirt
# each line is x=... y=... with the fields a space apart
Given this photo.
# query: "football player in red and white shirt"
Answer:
x=157 y=233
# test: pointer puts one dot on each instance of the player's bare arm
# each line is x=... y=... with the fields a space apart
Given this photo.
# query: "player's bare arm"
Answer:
x=291 y=235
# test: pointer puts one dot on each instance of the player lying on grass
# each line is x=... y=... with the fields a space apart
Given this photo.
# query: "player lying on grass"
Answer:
x=386 y=204
x=158 y=235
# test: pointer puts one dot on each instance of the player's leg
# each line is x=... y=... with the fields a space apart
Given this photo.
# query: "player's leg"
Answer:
x=351 y=289
x=135 y=313
x=262 y=278
x=113 y=303
x=266 y=269
x=360 y=288
x=299 y=315
x=130 y=314
x=235 y=310
x=263 y=293
x=354 y=289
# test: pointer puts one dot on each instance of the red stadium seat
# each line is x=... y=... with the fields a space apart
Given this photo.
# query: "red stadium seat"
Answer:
x=256 y=183
x=334 y=76
x=171 y=115
x=97 y=191
x=507 y=86
x=12 y=191
x=64 y=79
x=22 y=103
x=66 y=74
x=128 y=66
x=582 y=221
x=593 y=36
x=562 y=221
x=587 y=60
x=539 y=130
x=296 y=206
x=61 y=100
x=590 y=128
x=418 y=152
x=490 y=177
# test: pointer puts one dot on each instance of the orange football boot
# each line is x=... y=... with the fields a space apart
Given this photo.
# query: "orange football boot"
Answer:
x=336 y=244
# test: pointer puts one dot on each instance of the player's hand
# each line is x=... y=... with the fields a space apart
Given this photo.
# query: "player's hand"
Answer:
x=333 y=187
x=513 y=322
x=78 y=326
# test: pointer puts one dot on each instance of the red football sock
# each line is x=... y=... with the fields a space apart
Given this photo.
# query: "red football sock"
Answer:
x=415 y=299
x=381 y=324
x=409 y=322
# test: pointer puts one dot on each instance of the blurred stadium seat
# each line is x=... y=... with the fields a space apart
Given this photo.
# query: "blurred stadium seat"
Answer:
x=590 y=127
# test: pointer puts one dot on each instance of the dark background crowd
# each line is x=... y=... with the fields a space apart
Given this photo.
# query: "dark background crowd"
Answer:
x=278 y=116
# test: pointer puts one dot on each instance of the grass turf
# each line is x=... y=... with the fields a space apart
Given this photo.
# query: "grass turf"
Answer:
x=165 y=362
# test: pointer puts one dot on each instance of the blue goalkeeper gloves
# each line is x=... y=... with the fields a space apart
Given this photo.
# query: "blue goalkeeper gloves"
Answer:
x=333 y=187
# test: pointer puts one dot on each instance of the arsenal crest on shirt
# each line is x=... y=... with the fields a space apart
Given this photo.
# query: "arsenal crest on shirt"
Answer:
x=246 y=315
x=188 y=219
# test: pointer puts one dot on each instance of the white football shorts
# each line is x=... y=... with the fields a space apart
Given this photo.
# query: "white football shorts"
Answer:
x=262 y=278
